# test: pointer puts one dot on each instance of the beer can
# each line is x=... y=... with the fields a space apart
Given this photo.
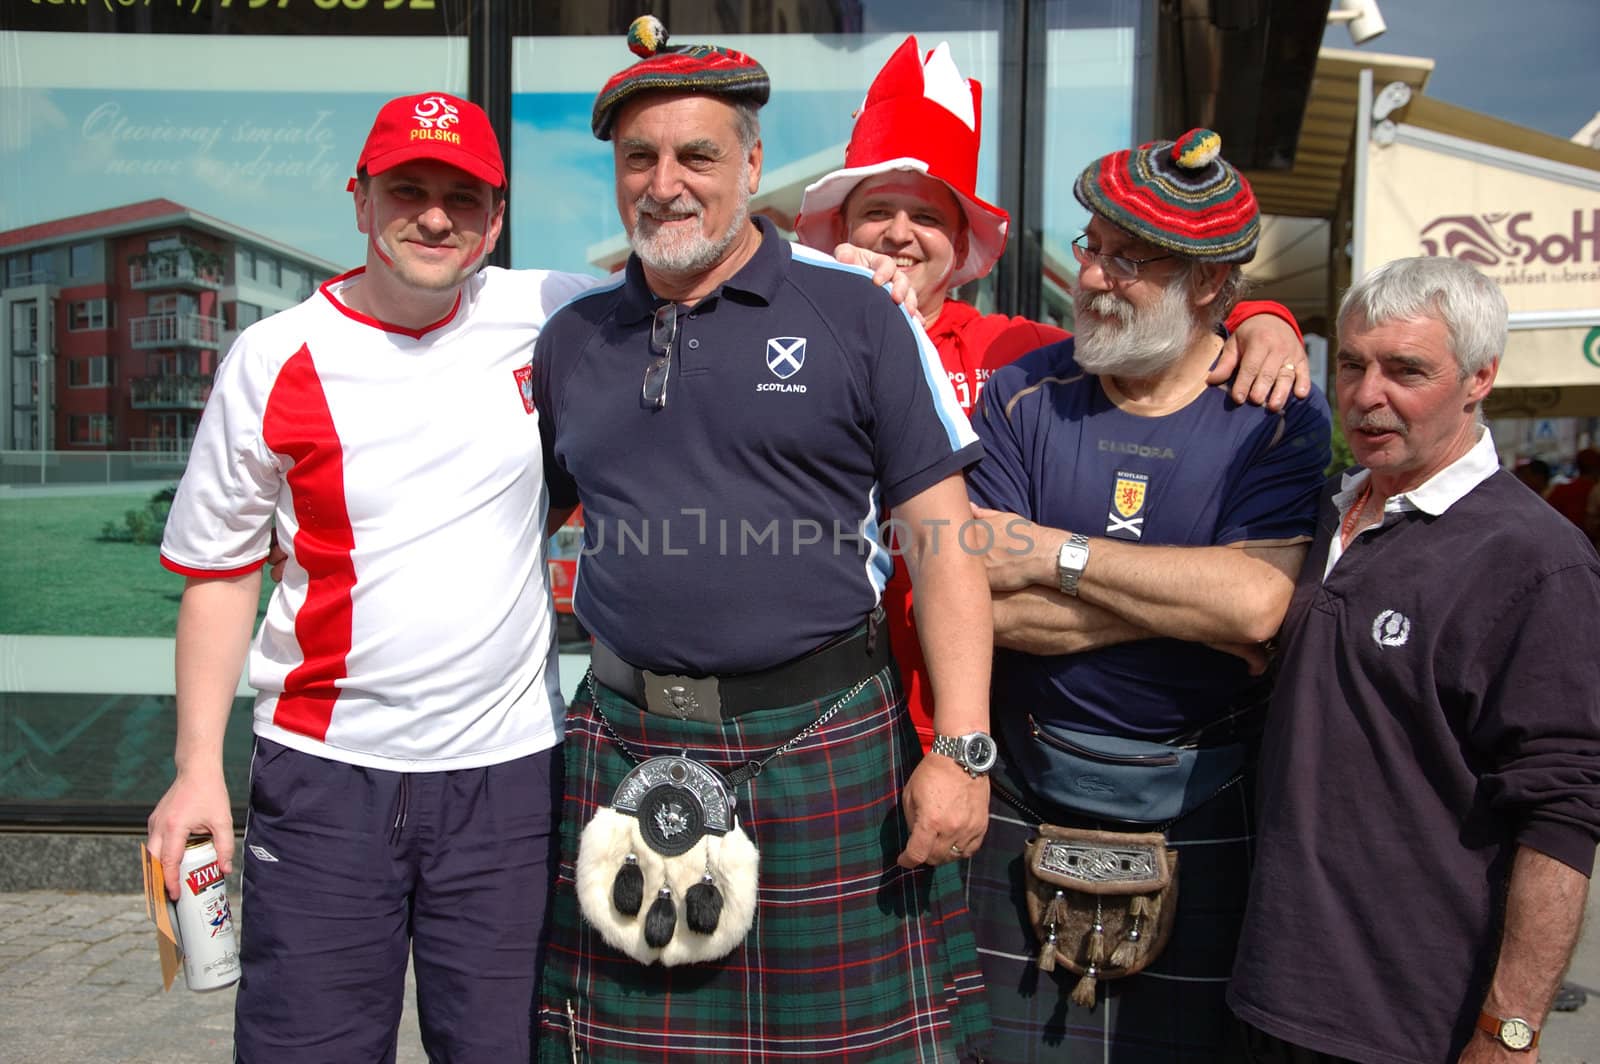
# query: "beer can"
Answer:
x=204 y=920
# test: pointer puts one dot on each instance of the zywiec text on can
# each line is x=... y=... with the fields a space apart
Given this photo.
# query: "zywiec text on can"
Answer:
x=204 y=920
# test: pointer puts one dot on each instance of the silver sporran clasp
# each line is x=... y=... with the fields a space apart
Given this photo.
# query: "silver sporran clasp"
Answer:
x=677 y=801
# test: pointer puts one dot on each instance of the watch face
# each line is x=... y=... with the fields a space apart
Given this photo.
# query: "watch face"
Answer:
x=1074 y=557
x=1516 y=1034
x=980 y=752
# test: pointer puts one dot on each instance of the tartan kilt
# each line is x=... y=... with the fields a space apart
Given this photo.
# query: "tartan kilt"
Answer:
x=1172 y=1011
x=851 y=958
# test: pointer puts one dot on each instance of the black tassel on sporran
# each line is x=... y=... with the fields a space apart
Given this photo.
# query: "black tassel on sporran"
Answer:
x=703 y=906
x=661 y=920
x=627 y=890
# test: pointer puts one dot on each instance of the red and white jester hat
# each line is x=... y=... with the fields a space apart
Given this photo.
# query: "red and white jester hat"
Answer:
x=921 y=116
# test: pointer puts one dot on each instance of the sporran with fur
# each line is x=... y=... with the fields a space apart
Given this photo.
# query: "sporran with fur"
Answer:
x=1101 y=902
x=665 y=873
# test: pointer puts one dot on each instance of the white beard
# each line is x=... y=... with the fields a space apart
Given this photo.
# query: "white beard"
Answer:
x=690 y=252
x=1125 y=342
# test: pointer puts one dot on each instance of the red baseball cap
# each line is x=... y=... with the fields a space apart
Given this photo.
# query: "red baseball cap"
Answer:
x=434 y=125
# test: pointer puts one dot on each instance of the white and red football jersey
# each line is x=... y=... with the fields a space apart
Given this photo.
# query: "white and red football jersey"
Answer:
x=413 y=628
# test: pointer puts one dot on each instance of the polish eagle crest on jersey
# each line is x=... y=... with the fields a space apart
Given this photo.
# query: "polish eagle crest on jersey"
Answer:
x=524 y=375
x=1126 y=518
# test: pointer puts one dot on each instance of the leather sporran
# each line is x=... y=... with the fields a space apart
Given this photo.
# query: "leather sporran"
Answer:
x=1101 y=902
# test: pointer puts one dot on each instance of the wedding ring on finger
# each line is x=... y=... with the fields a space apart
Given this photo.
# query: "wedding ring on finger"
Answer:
x=955 y=850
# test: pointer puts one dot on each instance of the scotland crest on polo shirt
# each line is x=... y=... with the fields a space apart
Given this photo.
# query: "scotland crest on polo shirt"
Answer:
x=1126 y=517
x=785 y=355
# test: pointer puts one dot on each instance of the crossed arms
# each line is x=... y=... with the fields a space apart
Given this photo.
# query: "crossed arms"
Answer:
x=1231 y=596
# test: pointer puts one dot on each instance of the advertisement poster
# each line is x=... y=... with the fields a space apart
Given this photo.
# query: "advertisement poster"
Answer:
x=171 y=172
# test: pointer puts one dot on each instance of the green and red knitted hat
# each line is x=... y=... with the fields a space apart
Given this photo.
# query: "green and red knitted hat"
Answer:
x=695 y=68
x=1183 y=197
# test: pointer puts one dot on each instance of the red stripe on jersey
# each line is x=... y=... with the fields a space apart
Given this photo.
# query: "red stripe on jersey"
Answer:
x=210 y=574
x=299 y=424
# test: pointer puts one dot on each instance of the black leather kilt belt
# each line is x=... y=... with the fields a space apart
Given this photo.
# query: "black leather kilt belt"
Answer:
x=833 y=667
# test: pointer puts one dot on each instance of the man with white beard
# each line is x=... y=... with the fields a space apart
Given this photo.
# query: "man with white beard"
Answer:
x=1144 y=536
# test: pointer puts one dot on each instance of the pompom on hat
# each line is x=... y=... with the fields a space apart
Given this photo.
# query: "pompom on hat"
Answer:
x=706 y=69
x=920 y=116
x=433 y=125
x=1180 y=196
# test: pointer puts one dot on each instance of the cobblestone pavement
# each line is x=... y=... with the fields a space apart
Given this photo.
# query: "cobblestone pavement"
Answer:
x=80 y=983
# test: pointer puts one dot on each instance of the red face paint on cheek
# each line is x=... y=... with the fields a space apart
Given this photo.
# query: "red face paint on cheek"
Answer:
x=483 y=241
x=380 y=249
x=375 y=242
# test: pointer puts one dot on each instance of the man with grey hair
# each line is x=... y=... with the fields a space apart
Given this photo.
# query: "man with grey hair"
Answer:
x=1430 y=792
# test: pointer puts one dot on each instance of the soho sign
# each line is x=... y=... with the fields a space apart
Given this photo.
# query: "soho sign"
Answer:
x=1508 y=239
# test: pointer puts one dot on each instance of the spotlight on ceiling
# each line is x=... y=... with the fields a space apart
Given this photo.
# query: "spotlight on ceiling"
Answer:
x=1361 y=17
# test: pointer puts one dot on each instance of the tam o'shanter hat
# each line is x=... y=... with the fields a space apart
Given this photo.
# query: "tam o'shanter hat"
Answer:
x=920 y=116
x=1183 y=197
x=433 y=125
x=704 y=69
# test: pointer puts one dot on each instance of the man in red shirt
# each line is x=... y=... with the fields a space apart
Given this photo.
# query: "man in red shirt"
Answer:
x=908 y=191
x=1571 y=498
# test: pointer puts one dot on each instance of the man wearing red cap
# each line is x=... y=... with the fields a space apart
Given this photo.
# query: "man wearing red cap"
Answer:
x=908 y=190
x=757 y=862
x=409 y=712
x=1146 y=531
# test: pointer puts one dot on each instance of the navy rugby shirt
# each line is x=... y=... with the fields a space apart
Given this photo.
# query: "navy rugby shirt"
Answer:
x=724 y=532
x=1060 y=453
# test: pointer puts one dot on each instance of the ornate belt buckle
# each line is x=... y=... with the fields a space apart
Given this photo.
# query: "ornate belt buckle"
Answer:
x=683 y=697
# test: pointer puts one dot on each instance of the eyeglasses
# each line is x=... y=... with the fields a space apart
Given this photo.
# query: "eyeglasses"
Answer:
x=1116 y=267
x=663 y=330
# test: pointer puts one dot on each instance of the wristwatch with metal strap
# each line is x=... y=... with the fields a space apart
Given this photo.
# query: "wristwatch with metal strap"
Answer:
x=1070 y=562
x=974 y=751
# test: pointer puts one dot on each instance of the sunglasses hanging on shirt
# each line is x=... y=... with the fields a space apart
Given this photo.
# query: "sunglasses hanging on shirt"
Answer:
x=663 y=330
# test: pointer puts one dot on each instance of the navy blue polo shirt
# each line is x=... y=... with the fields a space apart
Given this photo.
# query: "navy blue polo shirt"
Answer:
x=1060 y=453
x=737 y=527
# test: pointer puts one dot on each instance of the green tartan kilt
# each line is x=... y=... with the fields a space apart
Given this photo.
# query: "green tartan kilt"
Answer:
x=851 y=958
